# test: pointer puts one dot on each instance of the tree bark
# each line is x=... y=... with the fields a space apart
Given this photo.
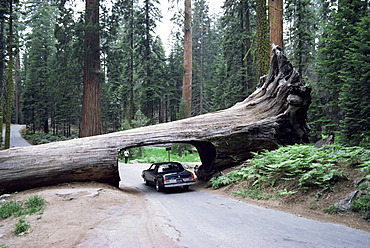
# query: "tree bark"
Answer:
x=262 y=50
x=91 y=106
x=276 y=23
x=188 y=61
x=9 y=78
x=275 y=114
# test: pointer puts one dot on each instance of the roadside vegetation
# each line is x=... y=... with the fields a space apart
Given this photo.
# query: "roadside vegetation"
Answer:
x=21 y=210
x=177 y=152
x=38 y=138
x=299 y=169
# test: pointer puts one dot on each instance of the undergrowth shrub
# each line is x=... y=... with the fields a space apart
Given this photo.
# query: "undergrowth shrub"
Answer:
x=303 y=165
x=39 y=138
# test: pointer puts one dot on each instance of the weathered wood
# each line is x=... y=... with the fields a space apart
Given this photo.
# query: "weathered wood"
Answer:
x=275 y=114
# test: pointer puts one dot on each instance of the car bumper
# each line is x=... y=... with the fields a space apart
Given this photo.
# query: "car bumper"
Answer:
x=172 y=185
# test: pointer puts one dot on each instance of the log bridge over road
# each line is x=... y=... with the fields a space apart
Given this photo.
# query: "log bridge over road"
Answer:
x=275 y=114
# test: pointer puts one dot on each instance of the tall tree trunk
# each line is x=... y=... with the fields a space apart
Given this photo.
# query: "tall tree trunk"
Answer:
x=9 y=78
x=276 y=23
x=262 y=51
x=188 y=62
x=2 y=56
x=17 y=94
x=91 y=106
x=149 y=102
x=131 y=96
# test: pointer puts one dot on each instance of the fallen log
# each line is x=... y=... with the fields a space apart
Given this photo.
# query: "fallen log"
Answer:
x=275 y=114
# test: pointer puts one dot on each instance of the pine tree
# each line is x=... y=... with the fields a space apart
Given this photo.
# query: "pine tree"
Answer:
x=40 y=49
x=301 y=33
x=206 y=49
x=337 y=39
x=239 y=28
x=354 y=96
x=68 y=73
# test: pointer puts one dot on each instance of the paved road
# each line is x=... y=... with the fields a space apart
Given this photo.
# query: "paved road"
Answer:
x=16 y=139
x=207 y=220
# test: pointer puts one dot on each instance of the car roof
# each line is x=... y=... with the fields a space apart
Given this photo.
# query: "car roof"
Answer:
x=161 y=163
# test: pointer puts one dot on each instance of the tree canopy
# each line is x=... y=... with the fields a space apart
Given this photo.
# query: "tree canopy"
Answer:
x=141 y=73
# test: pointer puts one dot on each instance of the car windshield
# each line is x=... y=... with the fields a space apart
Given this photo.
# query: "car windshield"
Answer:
x=170 y=167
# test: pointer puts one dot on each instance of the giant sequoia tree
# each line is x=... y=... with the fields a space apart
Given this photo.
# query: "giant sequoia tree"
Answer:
x=91 y=107
x=276 y=22
x=188 y=61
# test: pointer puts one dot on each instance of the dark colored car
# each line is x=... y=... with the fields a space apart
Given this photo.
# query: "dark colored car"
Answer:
x=167 y=175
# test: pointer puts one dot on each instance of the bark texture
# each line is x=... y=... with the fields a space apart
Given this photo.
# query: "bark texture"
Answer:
x=188 y=61
x=275 y=114
x=276 y=22
x=91 y=108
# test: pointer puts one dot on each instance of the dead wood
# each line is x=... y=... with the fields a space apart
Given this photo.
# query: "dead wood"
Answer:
x=275 y=114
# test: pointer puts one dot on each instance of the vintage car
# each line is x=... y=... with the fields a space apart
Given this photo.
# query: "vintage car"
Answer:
x=167 y=175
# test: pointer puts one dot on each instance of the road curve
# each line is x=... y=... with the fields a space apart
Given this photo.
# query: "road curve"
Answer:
x=199 y=219
x=16 y=139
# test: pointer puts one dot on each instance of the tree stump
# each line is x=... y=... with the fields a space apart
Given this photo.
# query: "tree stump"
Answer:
x=275 y=114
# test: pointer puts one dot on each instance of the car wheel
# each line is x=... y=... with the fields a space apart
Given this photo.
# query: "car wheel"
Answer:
x=157 y=186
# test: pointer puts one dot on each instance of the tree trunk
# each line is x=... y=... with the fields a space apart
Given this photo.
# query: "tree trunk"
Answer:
x=275 y=114
x=262 y=50
x=91 y=109
x=188 y=61
x=276 y=23
x=9 y=79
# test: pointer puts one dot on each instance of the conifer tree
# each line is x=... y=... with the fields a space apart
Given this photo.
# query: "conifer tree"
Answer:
x=354 y=96
x=337 y=40
x=40 y=49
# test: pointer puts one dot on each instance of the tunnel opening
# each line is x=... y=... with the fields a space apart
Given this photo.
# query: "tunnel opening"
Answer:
x=184 y=152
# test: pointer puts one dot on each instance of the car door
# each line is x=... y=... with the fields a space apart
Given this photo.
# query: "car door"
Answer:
x=150 y=175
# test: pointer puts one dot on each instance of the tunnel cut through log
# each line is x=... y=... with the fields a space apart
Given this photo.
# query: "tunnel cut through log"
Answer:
x=275 y=114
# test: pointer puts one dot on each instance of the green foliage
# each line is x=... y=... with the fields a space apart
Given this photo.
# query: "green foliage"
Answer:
x=9 y=208
x=159 y=154
x=21 y=227
x=332 y=209
x=343 y=88
x=362 y=205
x=39 y=138
x=306 y=166
x=32 y=205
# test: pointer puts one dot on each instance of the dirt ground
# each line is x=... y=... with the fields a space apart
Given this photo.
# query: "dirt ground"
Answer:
x=87 y=215
x=98 y=215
